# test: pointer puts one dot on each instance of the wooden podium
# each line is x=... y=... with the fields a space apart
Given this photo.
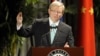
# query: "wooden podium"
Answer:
x=45 y=51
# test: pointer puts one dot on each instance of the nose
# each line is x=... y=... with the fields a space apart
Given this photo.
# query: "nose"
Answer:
x=56 y=13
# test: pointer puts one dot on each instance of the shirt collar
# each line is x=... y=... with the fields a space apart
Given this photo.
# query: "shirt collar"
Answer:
x=51 y=22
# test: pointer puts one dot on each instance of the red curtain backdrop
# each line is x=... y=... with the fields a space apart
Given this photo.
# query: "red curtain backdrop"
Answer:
x=86 y=31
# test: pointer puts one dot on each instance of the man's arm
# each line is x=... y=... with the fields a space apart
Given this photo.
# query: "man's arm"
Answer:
x=71 y=39
x=20 y=30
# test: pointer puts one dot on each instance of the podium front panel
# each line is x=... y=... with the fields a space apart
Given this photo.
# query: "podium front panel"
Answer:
x=53 y=51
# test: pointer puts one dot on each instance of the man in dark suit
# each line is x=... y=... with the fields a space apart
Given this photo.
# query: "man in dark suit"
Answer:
x=49 y=32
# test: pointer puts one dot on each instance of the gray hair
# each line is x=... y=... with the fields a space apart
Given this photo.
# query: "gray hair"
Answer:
x=57 y=3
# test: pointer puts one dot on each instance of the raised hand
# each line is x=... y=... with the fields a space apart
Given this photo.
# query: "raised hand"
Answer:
x=19 y=18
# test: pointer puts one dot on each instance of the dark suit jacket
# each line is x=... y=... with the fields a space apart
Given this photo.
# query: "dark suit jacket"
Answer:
x=41 y=31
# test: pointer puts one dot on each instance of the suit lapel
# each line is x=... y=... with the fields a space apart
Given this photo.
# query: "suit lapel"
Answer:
x=48 y=38
x=47 y=29
x=58 y=32
x=46 y=24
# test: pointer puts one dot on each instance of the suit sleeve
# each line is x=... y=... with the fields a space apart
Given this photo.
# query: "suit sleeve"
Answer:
x=70 y=38
x=27 y=31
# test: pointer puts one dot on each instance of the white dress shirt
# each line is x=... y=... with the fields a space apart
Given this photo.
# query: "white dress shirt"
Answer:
x=53 y=30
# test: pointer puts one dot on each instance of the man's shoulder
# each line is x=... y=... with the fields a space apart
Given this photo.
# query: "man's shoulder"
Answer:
x=65 y=28
x=41 y=20
x=65 y=25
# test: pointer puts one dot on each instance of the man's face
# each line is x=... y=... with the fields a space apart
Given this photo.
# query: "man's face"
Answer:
x=55 y=13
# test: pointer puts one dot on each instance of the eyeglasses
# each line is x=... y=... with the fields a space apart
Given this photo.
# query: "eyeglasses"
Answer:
x=54 y=11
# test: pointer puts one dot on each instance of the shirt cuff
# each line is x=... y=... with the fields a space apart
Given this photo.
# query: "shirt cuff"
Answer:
x=19 y=26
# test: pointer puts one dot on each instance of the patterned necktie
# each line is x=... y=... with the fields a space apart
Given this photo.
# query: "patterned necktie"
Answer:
x=53 y=30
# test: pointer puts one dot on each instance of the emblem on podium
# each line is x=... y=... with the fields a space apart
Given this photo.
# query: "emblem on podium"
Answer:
x=58 y=52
